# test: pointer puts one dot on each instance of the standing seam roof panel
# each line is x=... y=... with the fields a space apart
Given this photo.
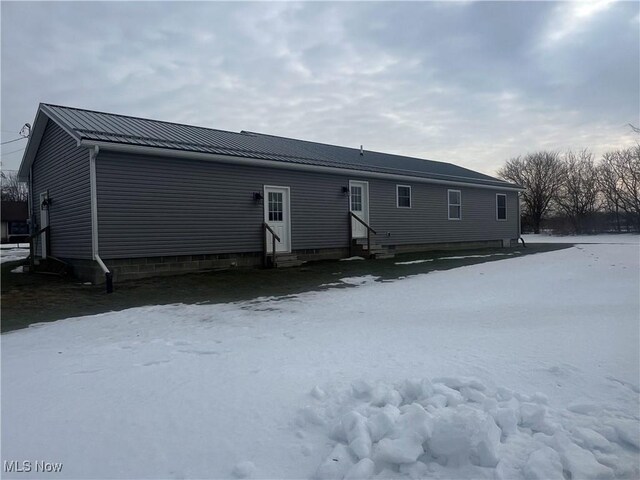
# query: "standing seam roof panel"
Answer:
x=124 y=130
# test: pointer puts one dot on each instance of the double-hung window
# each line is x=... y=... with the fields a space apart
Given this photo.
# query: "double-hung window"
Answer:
x=501 y=206
x=403 y=196
x=455 y=204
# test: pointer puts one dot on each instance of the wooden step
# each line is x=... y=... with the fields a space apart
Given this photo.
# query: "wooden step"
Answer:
x=51 y=265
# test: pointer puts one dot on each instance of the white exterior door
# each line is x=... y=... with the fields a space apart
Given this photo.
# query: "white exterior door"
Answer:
x=359 y=205
x=277 y=215
x=44 y=222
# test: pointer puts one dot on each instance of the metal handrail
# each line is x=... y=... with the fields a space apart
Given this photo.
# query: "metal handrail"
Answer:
x=40 y=232
x=369 y=231
x=32 y=247
x=274 y=237
x=363 y=223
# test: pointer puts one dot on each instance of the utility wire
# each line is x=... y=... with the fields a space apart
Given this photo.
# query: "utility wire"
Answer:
x=13 y=151
x=14 y=140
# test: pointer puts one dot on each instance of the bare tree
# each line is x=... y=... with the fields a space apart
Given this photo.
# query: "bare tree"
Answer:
x=577 y=196
x=620 y=181
x=541 y=174
x=608 y=183
x=11 y=189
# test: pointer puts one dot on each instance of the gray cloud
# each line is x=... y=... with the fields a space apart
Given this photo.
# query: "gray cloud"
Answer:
x=471 y=83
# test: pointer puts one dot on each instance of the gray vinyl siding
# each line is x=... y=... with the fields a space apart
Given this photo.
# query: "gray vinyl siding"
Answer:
x=161 y=206
x=151 y=206
x=62 y=168
x=427 y=221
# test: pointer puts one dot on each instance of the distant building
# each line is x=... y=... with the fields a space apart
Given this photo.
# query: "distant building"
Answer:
x=14 y=217
x=135 y=197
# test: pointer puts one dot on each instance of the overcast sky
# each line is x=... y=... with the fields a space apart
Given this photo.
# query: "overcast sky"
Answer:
x=469 y=83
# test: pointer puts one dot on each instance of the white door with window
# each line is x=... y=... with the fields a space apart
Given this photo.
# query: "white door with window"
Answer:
x=359 y=205
x=277 y=215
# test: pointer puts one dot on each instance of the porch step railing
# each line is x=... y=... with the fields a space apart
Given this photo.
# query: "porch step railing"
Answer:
x=369 y=232
x=265 y=254
x=32 y=243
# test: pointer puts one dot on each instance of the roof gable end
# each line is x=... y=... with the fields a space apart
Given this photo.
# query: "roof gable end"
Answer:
x=43 y=116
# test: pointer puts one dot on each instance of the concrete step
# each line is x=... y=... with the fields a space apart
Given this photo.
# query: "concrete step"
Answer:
x=285 y=260
x=362 y=241
x=289 y=263
x=374 y=246
x=286 y=256
x=383 y=255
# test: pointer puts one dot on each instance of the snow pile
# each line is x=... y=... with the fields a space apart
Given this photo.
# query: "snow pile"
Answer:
x=458 y=257
x=244 y=469
x=13 y=253
x=460 y=427
x=413 y=262
x=351 y=259
x=363 y=280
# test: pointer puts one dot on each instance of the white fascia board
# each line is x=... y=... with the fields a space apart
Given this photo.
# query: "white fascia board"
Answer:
x=37 y=130
x=212 y=157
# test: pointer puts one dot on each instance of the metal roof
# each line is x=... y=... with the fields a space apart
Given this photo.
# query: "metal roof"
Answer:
x=87 y=126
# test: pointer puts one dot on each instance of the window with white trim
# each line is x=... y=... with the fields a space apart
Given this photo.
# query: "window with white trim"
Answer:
x=455 y=204
x=403 y=196
x=501 y=206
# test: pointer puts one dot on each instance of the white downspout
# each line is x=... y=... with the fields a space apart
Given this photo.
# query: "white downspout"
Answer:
x=93 y=153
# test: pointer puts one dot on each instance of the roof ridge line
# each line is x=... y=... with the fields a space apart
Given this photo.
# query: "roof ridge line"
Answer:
x=349 y=148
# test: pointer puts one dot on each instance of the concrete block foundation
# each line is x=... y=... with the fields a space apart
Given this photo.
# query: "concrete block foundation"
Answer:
x=144 y=267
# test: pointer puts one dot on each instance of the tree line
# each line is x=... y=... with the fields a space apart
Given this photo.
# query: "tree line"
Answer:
x=11 y=190
x=569 y=192
x=572 y=192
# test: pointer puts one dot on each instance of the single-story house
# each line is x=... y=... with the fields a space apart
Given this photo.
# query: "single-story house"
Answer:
x=137 y=197
x=13 y=216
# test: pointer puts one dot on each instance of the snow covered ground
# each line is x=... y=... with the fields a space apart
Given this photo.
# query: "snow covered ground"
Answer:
x=10 y=252
x=526 y=367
